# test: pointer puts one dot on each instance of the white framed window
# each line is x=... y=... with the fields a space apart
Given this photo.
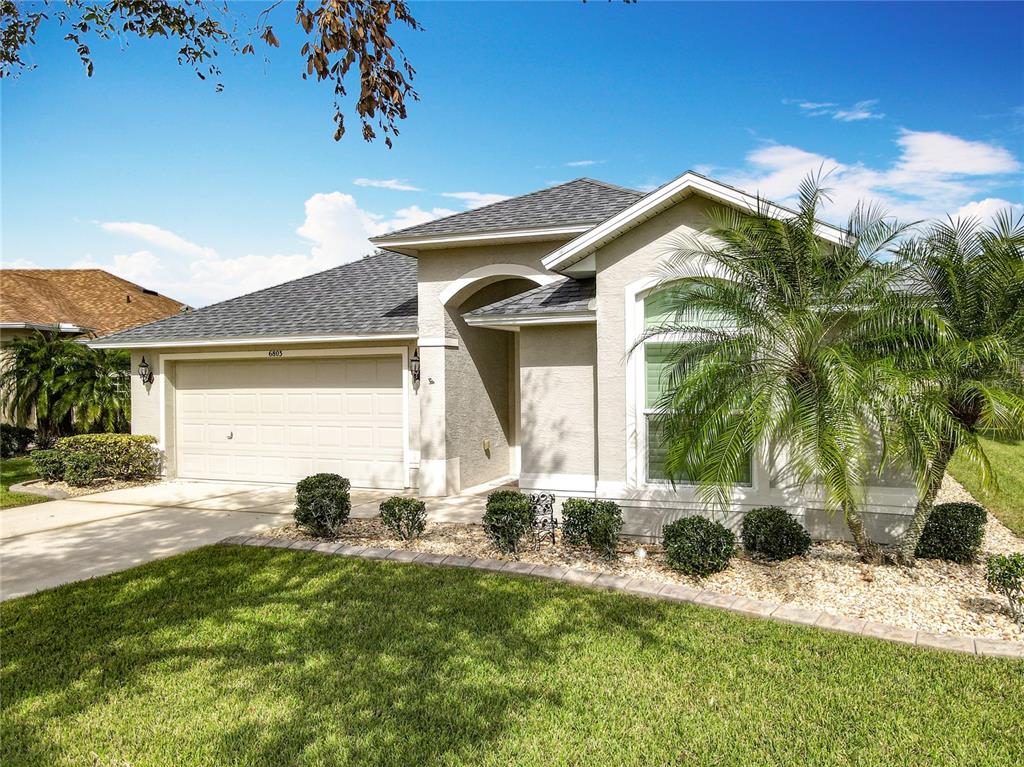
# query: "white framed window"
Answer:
x=657 y=307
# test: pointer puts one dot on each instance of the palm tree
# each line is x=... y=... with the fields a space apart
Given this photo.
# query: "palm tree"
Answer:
x=969 y=379
x=96 y=389
x=65 y=385
x=771 y=322
x=30 y=382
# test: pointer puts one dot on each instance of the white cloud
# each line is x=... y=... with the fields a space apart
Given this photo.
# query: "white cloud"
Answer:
x=142 y=267
x=335 y=226
x=398 y=185
x=476 y=199
x=987 y=209
x=934 y=174
x=21 y=263
x=862 y=110
x=934 y=152
x=159 y=237
x=581 y=163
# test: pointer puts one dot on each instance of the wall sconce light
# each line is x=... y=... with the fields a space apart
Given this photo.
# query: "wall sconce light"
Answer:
x=145 y=372
x=414 y=366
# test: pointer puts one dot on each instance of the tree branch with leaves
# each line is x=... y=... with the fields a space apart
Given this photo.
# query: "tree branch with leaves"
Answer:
x=340 y=36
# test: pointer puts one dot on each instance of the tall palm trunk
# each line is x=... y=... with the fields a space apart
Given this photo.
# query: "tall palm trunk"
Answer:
x=908 y=543
x=868 y=549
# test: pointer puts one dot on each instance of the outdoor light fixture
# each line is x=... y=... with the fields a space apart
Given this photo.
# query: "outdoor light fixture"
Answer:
x=414 y=366
x=145 y=373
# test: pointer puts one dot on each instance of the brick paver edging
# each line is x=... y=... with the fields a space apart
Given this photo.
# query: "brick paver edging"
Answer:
x=668 y=591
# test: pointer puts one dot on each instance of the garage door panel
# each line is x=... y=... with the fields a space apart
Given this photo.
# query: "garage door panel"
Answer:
x=289 y=419
x=389 y=404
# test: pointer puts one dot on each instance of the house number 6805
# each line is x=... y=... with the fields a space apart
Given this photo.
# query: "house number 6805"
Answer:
x=275 y=353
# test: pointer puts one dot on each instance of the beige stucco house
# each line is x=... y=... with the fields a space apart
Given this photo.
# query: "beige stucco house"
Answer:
x=492 y=344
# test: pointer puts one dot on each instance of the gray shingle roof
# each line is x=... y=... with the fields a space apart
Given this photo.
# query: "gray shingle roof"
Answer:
x=376 y=294
x=566 y=295
x=583 y=201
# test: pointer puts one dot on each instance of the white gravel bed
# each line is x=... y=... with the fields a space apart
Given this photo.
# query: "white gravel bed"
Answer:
x=939 y=597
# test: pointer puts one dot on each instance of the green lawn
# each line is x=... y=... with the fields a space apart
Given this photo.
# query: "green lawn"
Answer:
x=244 y=656
x=1007 y=503
x=12 y=471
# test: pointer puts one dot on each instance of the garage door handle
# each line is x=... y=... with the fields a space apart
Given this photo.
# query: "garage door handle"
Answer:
x=231 y=434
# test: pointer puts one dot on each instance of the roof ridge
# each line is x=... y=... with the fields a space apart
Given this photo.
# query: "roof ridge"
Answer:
x=609 y=185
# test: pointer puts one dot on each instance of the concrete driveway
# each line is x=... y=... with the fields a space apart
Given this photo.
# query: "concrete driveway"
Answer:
x=51 y=543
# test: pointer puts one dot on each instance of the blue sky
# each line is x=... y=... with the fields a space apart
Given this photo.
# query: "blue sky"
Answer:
x=147 y=171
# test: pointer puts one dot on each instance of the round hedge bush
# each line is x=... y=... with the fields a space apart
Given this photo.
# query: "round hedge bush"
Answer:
x=771 y=533
x=953 y=532
x=82 y=469
x=49 y=464
x=405 y=517
x=508 y=517
x=592 y=523
x=698 y=546
x=322 y=504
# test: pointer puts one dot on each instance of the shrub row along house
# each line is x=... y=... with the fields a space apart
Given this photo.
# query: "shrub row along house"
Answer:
x=493 y=343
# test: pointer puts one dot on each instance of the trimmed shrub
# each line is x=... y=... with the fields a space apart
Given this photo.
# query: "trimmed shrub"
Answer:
x=405 y=517
x=954 y=532
x=322 y=504
x=507 y=518
x=1005 y=575
x=49 y=464
x=698 y=546
x=14 y=440
x=122 y=456
x=82 y=468
x=587 y=522
x=771 y=533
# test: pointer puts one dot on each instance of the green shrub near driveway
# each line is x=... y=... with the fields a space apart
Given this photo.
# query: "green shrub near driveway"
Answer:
x=593 y=523
x=121 y=456
x=954 y=532
x=82 y=468
x=405 y=517
x=698 y=546
x=49 y=464
x=322 y=504
x=772 y=534
x=508 y=517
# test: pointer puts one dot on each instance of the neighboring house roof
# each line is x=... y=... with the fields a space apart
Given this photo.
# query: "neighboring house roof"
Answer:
x=373 y=296
x=566 y=296
x=660 y=199
x=582 y=202
x=80 y=300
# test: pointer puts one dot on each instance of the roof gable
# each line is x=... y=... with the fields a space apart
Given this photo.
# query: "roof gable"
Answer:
x=582 y=202
x=373 y=296
x=659 y=200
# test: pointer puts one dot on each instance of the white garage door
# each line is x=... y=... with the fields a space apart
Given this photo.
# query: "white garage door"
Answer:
x=281 y=420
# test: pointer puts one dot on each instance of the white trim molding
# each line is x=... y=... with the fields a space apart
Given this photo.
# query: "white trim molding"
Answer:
x=559 y=483
x=409 y=245
x=60 y=327
x=493 y=273
x=99 y=343
x=447 y=343
x=657 y=201
x=516 y=321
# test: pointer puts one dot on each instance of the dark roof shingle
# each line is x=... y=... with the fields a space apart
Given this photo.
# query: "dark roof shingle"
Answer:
x=583 y=201
x=568 y=295
x=376 y=294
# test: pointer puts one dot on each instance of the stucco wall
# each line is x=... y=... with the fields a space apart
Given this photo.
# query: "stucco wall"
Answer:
x=463 y=404
x=557 y=420
x=622 y=266
x=146 y=399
